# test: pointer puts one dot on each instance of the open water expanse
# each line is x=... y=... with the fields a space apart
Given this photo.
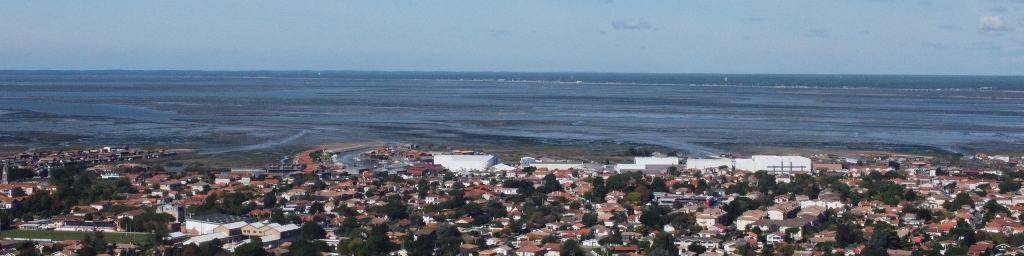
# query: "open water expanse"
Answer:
x=221 y=112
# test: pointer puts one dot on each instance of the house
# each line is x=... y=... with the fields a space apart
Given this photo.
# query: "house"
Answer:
x=131 y=214
x=507 y=191
x=626 y=249
x=614 y=196
x=503 y=250
x=781 y=199
x=783 y=211
x=815 y=212
x=750 y=217
x=710 y=217
x=981 y=248
x=827 y=203
x=468 y=249
x=530 y=250
x=707 y=242
x=170 y=185
x=800 y=224
x=9 y=202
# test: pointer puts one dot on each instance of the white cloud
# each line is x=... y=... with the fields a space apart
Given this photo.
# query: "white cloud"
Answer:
x=991 y=23
x=640 y=24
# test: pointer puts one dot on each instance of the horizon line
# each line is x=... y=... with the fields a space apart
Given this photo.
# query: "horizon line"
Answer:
x=492 y=72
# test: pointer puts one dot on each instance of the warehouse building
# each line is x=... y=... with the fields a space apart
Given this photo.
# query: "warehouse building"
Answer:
x=465 y=163
x=710 y=163
x=207 y=223
x=781 y=164
x=550 y=164
x=648 y=165
x=656 y=160
x=771 y=164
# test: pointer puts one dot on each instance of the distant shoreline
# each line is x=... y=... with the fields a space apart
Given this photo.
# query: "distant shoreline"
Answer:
x=819 y=81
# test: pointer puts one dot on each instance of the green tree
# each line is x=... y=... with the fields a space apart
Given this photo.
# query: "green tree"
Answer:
x=571 y=247
x=396 y=210
x=745 y=250
x=963 y=233
x=696 y=248
x=253 y=248
x=599 y=191
x=448 y=240
x=634 y=197
x=551 y=183
x=347 y=225
x=911 y=195
x=590 y=219
x=277 y=216
x=847 y=234
x=664 y=244
x=529 y=170
x=29 y=251
x=658 y=185
x=377 y=243
x=957 y=251
x=303 y=247
x=310 y=231
x=874 y=250
x=549 y=239
x=316 y=207
x=1007 y=185
x=768 y=250
x=961 y=199
x=352 y=247
x=788 y=249
x=422 y=245
x=651 y=219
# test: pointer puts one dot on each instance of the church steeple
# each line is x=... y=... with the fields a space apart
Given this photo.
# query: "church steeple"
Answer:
x=5 y=173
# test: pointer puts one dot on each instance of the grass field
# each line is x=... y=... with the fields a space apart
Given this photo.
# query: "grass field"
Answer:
x=73 y=235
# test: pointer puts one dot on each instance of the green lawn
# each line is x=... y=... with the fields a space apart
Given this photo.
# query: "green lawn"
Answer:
x=73 y=235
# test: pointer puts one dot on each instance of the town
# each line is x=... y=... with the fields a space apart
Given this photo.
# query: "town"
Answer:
x=400 y=199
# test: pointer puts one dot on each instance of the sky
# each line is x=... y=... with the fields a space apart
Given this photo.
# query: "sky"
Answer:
x=968 y=37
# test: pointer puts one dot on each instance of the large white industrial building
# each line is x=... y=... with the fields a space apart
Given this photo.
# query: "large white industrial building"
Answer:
x=656 y=160
x=709 y=163
x=771 y=164
x=550 y=164
x=647 y=163
x=463 y=163
x=629 y=167
x=205 y=224
x=780 y=164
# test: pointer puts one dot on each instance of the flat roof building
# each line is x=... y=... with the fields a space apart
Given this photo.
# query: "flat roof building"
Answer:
x=464 y=163
x=656 y=160
x=771 y=164
x=206 y=223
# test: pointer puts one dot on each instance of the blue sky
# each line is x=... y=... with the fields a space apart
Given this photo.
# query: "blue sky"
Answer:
x=972 y=37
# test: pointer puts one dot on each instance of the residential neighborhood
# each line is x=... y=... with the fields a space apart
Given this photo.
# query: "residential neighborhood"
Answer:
x=403 y=200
